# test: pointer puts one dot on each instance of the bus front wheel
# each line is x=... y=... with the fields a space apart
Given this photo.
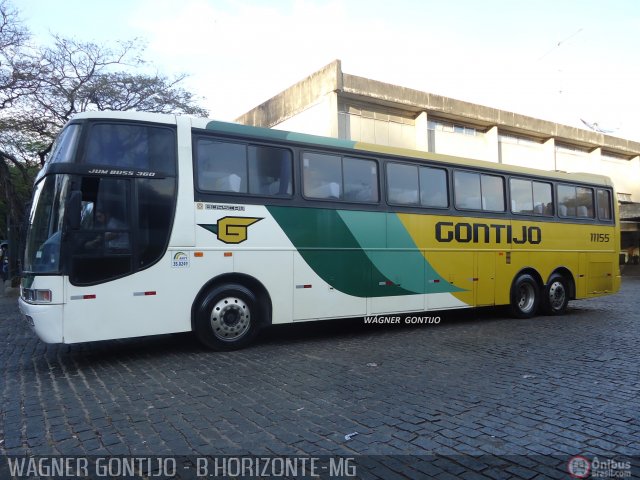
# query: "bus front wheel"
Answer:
x=525 y=296
x=556 y=295
x=227 y=317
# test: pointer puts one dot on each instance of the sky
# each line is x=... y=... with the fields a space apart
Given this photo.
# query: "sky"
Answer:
x=560 y=60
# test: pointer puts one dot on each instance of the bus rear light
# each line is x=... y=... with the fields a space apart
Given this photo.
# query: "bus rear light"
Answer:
x=36 y=296
x=144 y=294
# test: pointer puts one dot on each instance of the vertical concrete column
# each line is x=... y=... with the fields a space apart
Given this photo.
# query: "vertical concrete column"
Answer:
x=331 y=101
x=422 y=132
x=549 y=149
x=634 y=173
x=493 y=145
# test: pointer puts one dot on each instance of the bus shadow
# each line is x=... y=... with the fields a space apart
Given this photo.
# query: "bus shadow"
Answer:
x=150 y=347
x=345 y=328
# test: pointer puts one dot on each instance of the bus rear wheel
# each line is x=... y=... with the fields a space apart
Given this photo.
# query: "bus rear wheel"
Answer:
x=525 y=296
x=556 y=295
x=227 y=318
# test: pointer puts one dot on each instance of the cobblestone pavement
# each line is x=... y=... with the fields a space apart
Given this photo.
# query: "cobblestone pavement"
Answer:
x=491 y=396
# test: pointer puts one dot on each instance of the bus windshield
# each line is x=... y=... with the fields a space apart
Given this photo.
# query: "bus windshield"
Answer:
x=64 y=145
x=45 y=225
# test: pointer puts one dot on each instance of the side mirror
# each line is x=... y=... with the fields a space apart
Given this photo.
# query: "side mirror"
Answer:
x=73 y=210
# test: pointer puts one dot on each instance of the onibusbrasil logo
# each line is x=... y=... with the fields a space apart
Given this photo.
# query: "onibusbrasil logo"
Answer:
x=579 y=467
x=231 y=229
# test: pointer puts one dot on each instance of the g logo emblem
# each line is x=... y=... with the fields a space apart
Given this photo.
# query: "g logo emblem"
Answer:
x=231 y=229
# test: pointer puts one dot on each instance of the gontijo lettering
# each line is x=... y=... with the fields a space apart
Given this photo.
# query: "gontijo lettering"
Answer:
x=487 y=233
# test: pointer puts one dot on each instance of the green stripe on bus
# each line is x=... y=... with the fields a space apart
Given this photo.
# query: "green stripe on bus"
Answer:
x=391 y=249
x=330 y=249
x=279 y=135
x=355 y=254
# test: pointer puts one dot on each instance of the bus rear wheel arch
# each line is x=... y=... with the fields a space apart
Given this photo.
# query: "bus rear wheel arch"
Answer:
x=525 y=295
x=228 y=316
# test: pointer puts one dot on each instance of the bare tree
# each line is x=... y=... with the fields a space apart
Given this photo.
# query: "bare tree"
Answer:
x=20 y=71
x=41 y=88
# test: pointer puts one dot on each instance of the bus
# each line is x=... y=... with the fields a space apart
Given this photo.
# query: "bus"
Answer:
x=147 y=224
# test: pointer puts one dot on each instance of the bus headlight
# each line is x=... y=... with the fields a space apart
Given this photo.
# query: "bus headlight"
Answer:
x=36 y=296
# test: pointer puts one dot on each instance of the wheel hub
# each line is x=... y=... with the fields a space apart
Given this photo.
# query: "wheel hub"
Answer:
x=230 y=318
x=556 y=295
x=527 y=298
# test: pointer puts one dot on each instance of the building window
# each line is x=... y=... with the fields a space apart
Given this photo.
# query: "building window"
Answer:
x=451 y=127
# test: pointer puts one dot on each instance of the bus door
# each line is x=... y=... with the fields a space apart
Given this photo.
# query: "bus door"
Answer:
x=484 y=278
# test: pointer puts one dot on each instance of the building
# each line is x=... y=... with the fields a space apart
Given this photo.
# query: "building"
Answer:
x=332 y=103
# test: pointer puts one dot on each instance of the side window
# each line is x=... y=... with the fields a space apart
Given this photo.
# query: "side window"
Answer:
x=521 y=196
x=239 y=168
x=222 y=166
x=433 y=187
x=270 y=170
x=339 y=178
x=575 y=201
x=134 y=147
x=402 y=184
x=566 y=200
x=101 y=249
x=531 y=197
x=542 y=199
x=322 y=175
x=106 y=211
x=474 y=191
x=360 y=180
x=156 y=199
x=467 y=190
x=585 y=202
x=492 y=192
x=604 y=205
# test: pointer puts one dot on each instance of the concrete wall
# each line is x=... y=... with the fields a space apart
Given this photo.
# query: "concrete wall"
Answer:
x=332 y=103
x=523 y=152
x=316 y=119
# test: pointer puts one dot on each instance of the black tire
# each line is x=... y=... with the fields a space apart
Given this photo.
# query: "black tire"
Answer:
x=525 y=296
x=556 y=295
x=228 y=318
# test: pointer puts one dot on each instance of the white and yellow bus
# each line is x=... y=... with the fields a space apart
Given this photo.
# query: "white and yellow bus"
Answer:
x=146 y=224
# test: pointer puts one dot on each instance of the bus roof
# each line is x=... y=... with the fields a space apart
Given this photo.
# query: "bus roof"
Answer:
x=269 y=134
